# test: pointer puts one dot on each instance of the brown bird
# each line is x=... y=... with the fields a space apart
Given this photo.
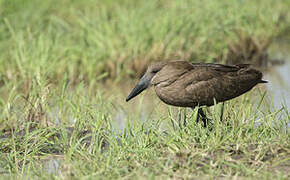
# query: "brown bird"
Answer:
x=184 y=84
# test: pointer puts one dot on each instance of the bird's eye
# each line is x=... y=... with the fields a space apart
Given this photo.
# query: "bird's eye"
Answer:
x=154 y=71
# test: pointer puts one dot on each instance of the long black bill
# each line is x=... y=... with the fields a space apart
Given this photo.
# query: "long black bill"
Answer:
x=141 y=86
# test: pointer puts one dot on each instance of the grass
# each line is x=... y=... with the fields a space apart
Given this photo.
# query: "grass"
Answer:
x=57 y=108
x=92 y=147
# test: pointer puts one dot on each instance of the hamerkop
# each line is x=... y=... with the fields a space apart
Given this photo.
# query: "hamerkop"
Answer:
x=184 y=84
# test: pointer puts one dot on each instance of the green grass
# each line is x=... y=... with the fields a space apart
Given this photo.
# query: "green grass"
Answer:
x=56 y=107
x=89 y=39
x=92 y=146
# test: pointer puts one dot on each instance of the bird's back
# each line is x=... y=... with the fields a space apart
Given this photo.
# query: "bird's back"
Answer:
x=180 y=83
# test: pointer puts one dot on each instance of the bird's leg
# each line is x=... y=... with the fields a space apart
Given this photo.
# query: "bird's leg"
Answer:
x=203 y=117
x=197 y=117
x=184 y=121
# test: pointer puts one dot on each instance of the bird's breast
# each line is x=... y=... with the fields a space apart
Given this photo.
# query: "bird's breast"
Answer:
x=173 y=94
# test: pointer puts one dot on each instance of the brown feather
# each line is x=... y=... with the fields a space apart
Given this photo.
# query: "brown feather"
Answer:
x=180 y=83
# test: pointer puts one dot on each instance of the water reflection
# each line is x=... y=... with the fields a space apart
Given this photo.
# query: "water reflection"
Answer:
x=52 y=165
x=279 y=85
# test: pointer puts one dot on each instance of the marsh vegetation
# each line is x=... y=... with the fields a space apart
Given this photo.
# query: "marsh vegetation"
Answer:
x=67 y=66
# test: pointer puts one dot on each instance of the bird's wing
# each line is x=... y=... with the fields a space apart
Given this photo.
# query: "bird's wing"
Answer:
x=221 y=67
x=219 y=82
x=202 y=85
x=171 y=72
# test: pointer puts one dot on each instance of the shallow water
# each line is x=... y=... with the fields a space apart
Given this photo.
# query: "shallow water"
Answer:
x=278 y=88
x=52 y=165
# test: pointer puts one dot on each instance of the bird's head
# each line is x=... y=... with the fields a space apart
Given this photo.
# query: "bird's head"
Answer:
x=146 y=79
